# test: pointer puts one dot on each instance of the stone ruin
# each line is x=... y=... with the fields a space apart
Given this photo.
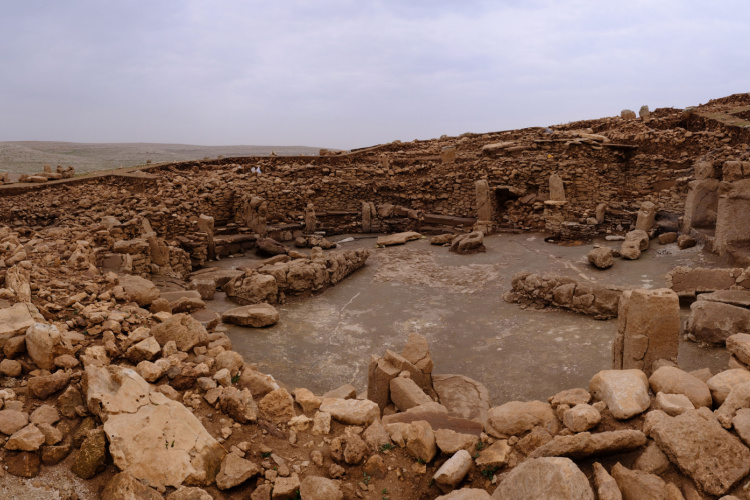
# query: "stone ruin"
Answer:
x=139 y=390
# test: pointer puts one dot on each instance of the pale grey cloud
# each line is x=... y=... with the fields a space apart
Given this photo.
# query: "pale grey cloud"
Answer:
x=346 y=73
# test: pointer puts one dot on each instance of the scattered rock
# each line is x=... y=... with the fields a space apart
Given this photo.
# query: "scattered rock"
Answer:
x=255 y=315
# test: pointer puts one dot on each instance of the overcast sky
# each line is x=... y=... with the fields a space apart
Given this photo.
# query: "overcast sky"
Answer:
x=353 y=73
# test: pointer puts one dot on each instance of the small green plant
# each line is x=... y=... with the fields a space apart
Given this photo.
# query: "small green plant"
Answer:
x=480 y=445
x=385 y=491
x=489 y=472
x=421 y=461
x=236 y=378
x=385 y=447
x=367 y=478
x=266 y=454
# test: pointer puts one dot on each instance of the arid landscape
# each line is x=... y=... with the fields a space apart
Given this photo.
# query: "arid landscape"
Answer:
x=551 y=312
x=25 y=157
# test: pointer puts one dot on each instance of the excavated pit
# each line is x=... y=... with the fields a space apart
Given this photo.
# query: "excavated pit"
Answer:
x=455 y=301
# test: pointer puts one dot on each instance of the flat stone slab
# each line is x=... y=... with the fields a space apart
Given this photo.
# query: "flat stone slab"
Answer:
x=397 y=239
x=437 y=420
x=255 y=315
x=585 y=444
x=14 y=320
x=698 y=445
x=739 y=298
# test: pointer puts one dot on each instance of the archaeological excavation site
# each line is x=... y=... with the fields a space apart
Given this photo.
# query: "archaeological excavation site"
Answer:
x=555 y=312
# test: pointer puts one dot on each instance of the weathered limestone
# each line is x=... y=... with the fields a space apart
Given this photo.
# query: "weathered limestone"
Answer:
x=648 y=328
x=646 y=217
x=468 y=243
x=397 y=238
x=516 y=417
x=644 y=113
x=380 y=374
x=585 y=444
x=549 y=478
x=351 y=411
x=688 y=281
x=255 y=315
x=627 y=114
x=713 y=322
x=255 y=214
x=311 y=221
x=484 y=201
x=636 y=241
x=671 y=380
x=733 y=218
x=606 y=486
x=556 y=188
x=138 y=423
x=624 y=391
x=183 y=329
x=405 y=393
x=15 y=320
x=696 y=443
x=206 y=225
x=139 y=290
x=43 y=343
x=448 y=155
x=369 y=213
x=636 y=484
x=601 y=257
x=600 y=301
x=462 y=396
x=453 y=471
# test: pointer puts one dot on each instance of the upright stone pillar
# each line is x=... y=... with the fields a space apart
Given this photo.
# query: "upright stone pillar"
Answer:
x=556 y=188
x=648 y=329
x=311 y=222
x=206 y=225
x=157 y=247
x=448 y=154
x=601 y=211
x=646 y=216
x=484 y=207
x=368 y=216
x=256 y=211
x=644 y=112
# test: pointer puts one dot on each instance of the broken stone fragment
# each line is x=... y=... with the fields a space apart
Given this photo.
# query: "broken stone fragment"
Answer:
x=601 y=257
x=698 y=445
x=516 y=417
x=550 y=478
x=453 y=471
x=635 y=242
x=255 y=315
x=351 y=411
x=624 y=391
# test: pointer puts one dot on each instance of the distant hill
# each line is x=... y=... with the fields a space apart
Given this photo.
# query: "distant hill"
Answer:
x=25 y=157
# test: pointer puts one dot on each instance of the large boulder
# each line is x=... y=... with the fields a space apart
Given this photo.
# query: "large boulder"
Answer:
x=139 y=290
x=146 y=428
x=516 y=417
x=184 y=330
x=468 y=243
x=722 y=383
x=624 y=391
x=698 y=445
x=255 y=315
x=672 y=380
x=124 y=486
x=549 y=478
x=15 y=320
x=601 y=257
x=42 y=344
x=462 y=396
x=635 y=242
x=714 y=322
x=351 y=411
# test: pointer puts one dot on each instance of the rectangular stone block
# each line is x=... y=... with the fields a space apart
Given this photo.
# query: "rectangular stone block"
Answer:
x=648 y=329
x=380 y=374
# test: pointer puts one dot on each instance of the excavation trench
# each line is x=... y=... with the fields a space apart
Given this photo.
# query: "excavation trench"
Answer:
x=455 y=301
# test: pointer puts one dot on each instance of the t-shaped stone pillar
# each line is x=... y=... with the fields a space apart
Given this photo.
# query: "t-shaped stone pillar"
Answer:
x=648 y=329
